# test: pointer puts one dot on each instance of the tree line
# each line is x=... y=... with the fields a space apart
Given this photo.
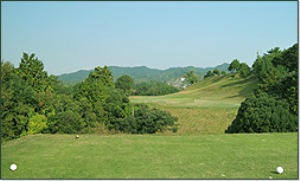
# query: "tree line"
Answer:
x=34 y=102
x=153 y=88
x=146 y=88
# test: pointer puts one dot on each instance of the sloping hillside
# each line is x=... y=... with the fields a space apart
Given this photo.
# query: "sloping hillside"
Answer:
x=207 y=107
x=217 y=91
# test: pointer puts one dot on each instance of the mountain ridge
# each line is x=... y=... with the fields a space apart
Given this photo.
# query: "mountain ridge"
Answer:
x=143 y=73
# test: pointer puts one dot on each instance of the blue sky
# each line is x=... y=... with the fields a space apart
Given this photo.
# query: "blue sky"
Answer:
x=69 y=36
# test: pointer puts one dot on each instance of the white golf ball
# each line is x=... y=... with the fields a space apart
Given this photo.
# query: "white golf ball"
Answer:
x=279 y=170
x=13 y=167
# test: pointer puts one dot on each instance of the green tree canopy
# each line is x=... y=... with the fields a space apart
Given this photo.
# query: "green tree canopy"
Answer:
x=208 y=74
x=31 y=69
x=191 y=77
x=234 y=65
x=125 y=83
x=216 y=72
x=145 y=120
x=274 y=108
x=244 y=70
x=154 y=88
x=263 y=114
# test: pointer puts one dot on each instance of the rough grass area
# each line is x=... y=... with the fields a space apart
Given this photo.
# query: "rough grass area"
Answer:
x=254 y=156
x=207 y=107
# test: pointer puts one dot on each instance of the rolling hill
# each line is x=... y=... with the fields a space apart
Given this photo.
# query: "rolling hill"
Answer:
x=207 y=107
x=142 y=73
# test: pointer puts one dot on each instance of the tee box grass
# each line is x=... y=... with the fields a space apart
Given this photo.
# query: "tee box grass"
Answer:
x=241 y=156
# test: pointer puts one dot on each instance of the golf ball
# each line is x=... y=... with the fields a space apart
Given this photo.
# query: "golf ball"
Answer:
x=279 y=170
x=13 y=167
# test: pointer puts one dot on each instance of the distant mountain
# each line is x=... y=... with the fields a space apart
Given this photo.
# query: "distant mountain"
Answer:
x=74 y=77
x=143 y=73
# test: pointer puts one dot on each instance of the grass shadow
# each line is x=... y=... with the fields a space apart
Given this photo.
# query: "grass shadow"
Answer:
x=230 y=97
x=249 y=84
x=274 y=172
x=243 y=81
x=216 y=79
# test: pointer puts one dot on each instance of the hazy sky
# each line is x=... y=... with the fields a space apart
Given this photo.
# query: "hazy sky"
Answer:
x=69 y=36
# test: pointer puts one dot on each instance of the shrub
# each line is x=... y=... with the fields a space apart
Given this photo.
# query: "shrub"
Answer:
x=263 y=114
x=145 y=120
x=37 y=124
x=66 y=122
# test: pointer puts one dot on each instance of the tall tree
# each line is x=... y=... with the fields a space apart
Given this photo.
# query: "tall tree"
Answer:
x=234 y=65
x=17 y=101
x=244 y=70
x=125 y=83
x=31 y=69
x=290 y=58
x=97 y=89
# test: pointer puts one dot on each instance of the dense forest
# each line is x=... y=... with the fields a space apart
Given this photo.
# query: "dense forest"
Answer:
x=274 y=105
x=34 y=102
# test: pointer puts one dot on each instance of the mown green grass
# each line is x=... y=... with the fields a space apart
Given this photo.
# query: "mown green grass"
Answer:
x=240 y=156
x=207 y=107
